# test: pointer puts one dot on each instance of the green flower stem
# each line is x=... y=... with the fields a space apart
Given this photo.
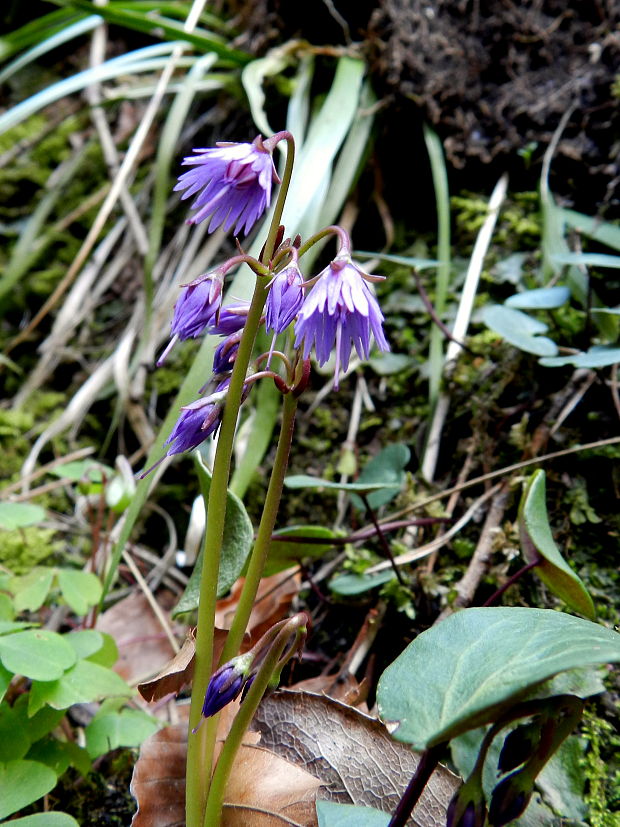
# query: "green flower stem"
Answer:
x=271 y=665
x=201 y=745
x=279 y=208
x=314 y=239
x=262 y=543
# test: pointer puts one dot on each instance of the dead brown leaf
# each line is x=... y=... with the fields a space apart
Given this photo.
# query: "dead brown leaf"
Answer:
x=311 y=747
x=143 y=647
x=264 y=789
x=351 y=753
x=175 y=674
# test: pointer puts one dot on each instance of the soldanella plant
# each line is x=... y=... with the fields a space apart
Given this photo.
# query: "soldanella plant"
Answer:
x=327 y=315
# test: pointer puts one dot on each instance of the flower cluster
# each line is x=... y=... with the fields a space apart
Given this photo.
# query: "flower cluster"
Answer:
x=333 y=313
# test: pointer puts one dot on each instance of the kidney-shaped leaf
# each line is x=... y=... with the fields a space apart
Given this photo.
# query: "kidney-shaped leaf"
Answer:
x=331 y=814
x=519 y=329
x=464 y=671
x=388 y=468
x=537 y=540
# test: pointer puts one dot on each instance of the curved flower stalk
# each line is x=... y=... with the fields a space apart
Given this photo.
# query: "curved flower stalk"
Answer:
x=335 y=311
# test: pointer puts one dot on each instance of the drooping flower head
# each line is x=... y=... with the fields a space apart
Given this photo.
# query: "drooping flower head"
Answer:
x=285 y=298
x=233 y=182
x=232 y=318
x=340 y=312
x=196 y=307
x=197 y=421
x=225 y=354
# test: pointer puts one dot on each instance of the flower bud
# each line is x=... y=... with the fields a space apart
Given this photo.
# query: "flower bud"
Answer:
x=226 y=684
x=519 y=746
x=468 y=807
x=510 y=798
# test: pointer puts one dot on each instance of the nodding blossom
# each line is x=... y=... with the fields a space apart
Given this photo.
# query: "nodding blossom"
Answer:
x=225 y=354
x=197 y=421
x=232 y=318
x=284 y=300
x=233 y=182
x=340 y=312
x=196 y=307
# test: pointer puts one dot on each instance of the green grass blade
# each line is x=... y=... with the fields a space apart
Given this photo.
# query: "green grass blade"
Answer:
x=442 y=200
x=156 y=25
x=141 y=60
x=36 y=31
x=65 y=34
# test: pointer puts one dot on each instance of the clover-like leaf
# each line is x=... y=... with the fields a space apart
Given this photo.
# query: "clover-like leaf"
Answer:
x=537 y=541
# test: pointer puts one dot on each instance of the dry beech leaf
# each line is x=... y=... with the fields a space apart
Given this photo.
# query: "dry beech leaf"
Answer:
x=345 y=688
x=272 y=603
x=351 y=753
x=158 y=780
x=175 y=674
x=180 y=670
x=143 y=647
x=264 y=789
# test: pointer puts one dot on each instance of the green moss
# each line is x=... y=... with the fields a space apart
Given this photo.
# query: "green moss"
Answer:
x=602 y=772
x=22 y=549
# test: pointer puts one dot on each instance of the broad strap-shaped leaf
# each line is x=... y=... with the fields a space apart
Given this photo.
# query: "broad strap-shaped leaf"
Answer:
x=19 y=515
x=537 y=540
x=541 y=298
x=237 y=544
x=466 y=670
x=286 y=549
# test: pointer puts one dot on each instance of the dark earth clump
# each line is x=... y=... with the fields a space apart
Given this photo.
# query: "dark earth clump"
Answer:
x=494 y=78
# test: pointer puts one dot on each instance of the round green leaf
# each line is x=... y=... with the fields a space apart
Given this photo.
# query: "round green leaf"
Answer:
x=21 y=783
x=107 y=654
x=536 y=536
x=32 y=589
x=464 y=671
x=37 y=654
x=127 y=728
x=46 y=820
x=85 y=642
x=331 y=814
x=81 y=589
x=84 y=682
x=19 y=515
